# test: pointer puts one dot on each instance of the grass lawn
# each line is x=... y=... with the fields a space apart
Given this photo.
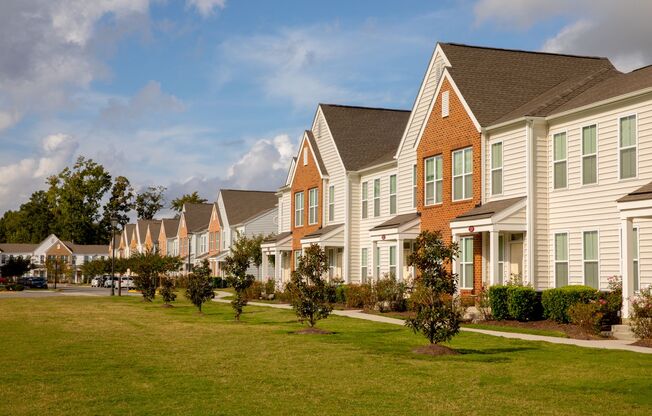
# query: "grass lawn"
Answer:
x=544 y=332
x=103 y=356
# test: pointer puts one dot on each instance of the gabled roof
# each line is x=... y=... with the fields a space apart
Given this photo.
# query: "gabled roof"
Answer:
x=89 y=249
x=641 y=194
x=129 y=232
x=242 y=205
x=365 y=136
x=495 y=82
x=315 y=150
x=278 y=237
x=489 y=209
x=197 y=216
x=142 y=228
x=155 y=230
x=17 y=248
x=323 y=231
x=171 y=226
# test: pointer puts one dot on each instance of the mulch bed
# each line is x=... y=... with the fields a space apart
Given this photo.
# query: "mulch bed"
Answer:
x=643 y=343
x=167 y=305
x=313 y=331
x=572 y=331
x=435 y=349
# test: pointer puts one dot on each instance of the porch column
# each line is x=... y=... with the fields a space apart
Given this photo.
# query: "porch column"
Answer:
x=265 y=267
x=399 y=261
x=278 y=278
x=456 y=261
x=374 y=244
x=493 y=257
x=627 y=267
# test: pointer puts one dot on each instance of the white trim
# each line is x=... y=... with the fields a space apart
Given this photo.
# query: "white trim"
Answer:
x=314 y=190
x=622 y=97
x=463 y=175
x=314 y=158
x=379 y=197
x=434 y=181
x=331 y=205
x=553 y=161
x=364 y=197
x=395 y=194
x=303 y=206
x=597 y=155
x=501 y=168
x=554 y=256
x=584 y=261
x=462 y=263
x=445 y=104
x=635 y=147
x=415 y=185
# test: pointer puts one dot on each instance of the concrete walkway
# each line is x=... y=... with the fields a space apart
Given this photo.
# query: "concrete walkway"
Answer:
x=602 y=344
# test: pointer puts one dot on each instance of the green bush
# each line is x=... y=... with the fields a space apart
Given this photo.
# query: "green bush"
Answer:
x=390 y=294
x=360 y=296
x=270 y=287
x=557 y=301
x=587 y=316
x=255 y=291
x=220 y=283
x=340 y=294
x=523 y=303
x=641 y=319
x=498 y=302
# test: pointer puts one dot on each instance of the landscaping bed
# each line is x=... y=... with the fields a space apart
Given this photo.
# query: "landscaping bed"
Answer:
x=546 y=328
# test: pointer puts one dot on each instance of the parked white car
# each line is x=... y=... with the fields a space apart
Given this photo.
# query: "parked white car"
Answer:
x=127 y=283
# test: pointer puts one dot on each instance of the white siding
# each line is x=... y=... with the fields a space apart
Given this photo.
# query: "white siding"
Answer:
x=355 y=241
x=542 y=236
x=284 y=212
x=514 y=166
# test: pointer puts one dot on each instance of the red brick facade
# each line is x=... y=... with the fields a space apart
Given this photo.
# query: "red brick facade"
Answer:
x=306 y=177
x=214 y=238
x=442 y=136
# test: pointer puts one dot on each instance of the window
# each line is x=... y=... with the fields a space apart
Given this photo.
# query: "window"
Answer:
x=365 y=196
x=628 y=147
x=414 y=186
x=223 y=239
x=313 y=204
x=332 y=262
x=497 y=168
x=377 y=262
x=297 y=257
x=466 y=262
x=637 y=284
x=305 y=156
x=501 y=259
x=376 y=197
x=589 y=155
x=591 y=265
x=392 y=261
x=463 y=174
x=434 y=180
x=331 y=203
x=559 y=160
x=363 y=263
x=445 y=110
x=561 y=259
x=392 y=194
x=298 y=209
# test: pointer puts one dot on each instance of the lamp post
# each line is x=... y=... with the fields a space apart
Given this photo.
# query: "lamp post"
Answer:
x=114 y=223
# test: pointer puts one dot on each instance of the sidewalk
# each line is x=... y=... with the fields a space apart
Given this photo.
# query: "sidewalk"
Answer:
x=606 y=344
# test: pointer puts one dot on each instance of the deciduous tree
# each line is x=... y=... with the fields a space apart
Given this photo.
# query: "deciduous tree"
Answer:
x=200 y=285
x=193 y=198
x=309 y=288
x=149 y=202
x=15 y=267
x=236 y=265
x=120 y=203
x=148 y=269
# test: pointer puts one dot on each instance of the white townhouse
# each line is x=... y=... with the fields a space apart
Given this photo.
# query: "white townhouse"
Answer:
x=191 y=233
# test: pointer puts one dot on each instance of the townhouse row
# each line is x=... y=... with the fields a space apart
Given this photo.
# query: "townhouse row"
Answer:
x=537 y=164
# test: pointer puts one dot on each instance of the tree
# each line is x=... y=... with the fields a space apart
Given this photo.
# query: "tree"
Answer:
x=96 y=267
x=31 y=223
x=15 y=267
x=167 y=291
x=149 y=202
x=56 y=267
x=437 y=317
x=309 y=288
x=193 y=198
x=236 y=266
x=148 y=268
x=200 y=285
x=120 y=203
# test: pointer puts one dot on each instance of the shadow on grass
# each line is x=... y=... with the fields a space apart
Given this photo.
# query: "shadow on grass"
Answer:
x=493 y=351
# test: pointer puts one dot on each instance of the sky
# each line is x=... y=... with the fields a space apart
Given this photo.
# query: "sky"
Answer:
x=204 y=94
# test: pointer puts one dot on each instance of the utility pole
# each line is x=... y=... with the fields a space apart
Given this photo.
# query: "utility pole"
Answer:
x=113 y=225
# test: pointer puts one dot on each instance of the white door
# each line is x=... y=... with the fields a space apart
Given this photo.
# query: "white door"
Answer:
x=516 y=259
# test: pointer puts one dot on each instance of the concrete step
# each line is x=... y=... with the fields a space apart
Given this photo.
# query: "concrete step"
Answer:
x=622 y=332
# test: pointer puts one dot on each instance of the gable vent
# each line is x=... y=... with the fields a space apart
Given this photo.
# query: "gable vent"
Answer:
x=444 y=104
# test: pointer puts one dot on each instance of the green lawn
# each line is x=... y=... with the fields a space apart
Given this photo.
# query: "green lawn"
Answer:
x=120 y=356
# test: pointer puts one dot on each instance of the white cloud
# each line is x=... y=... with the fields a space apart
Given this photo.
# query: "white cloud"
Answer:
x=619 y=30
x=264 y=165
x=206 y=7
x=18 y=180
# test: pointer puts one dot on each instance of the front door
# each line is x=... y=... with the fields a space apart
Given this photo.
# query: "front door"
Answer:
x=516 y=260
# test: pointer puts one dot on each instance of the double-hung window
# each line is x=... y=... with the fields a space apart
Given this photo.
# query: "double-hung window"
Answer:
x=560 y=167
x=627 y=147
x=365 y=197
x=463 y=174
x=466 y=262
x=298 y=209
x=497 y=168
x=392 y=261
x=392 y=194
x=591 y=263
x=331 y=203
x=414 y=186
x=313 y=205
x=589 y=155
x=433 y=180
x=297 y=258
x=561 y=259
x=364 y=256
x=376 y=197
x=377 y=262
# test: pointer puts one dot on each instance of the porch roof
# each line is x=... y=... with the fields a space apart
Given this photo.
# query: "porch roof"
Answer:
x=278 y=237
x=641 y=194
x=489 y=209
x=397 y=221
x=323 y=231
x=331 y=234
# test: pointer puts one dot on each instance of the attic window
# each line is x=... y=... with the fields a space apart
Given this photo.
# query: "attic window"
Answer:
x=305 y=156
x=444 y=104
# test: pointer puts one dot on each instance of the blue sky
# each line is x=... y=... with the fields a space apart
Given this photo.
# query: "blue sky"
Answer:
x=200 y=94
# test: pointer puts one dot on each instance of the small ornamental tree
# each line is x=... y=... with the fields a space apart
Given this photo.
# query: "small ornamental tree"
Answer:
x=15 y=267
x=236 y=266
x=167 y=291
x=148 y=268
x=436 y=318
x=200 y=285
x=95 y=267
x=309 y=288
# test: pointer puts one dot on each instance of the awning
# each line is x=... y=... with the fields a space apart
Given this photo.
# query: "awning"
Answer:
x=282 y=241
x=331 y=235
x=502 y=215
x=404 y=226
x=636 y=204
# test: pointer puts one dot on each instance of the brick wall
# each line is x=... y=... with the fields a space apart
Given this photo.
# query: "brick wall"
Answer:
x=442 y=136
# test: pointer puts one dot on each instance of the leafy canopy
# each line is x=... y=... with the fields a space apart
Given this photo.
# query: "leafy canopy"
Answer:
x=193 y=198
x=309 y=288
x=200 y=285
x=236 y=266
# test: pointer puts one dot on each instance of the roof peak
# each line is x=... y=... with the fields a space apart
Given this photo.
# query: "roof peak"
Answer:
x=364 y=108
x=245 y=190
x=523 y=51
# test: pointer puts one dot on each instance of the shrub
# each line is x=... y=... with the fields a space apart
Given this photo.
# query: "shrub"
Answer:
x=340 y=294
x=200 y=285
x=557 y=301
x=482 y=303
x=167 y=290
x=390 y=294
x=219 y=283
x=641 y=317
x=587 y=316
x=270 y=287
x=255 y=291
x=612 y=301
x=498 y=302
x=523 y=303
x=360 y=296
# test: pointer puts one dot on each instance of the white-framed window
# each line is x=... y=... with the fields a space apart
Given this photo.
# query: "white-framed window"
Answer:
x=627 y=147
x=377 y=262
x=466 y=262
x=331 y=203
x=501 y=259
x=332 y=262
x=445 y=104
x=392 y=261
x=590 y=250
x=463 y=174
x=561 y=259
x=305 y=156
x=392 y=194
x=414 y=186
x=313 y=206
x=376 y=197
x=590 y=155
x=497 y=168
x=223 y=240
x=637 y=282
x=434 y=180
x=297 y=257
x=364 y=258
x=365 y=199
x=298 y=209
x=560 y=165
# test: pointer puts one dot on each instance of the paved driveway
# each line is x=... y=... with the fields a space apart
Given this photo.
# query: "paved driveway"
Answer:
x=63 y=290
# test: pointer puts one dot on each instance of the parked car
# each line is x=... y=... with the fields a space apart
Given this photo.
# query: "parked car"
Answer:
x=108 y=282
x=33 y=282
x=98 y=281
x=126 y=283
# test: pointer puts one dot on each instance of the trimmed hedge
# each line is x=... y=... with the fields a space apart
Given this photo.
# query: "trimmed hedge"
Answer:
x=557 y=301
x=523 y=303
x=498 y=302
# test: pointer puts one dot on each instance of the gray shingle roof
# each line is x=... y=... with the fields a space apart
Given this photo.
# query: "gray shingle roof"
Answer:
x=17 y=248
x=365 y=136
x=197 y=216
x=89 y=249
x=241 y=205
x=641 y=194
x=496 y=82
x=324 y=230
x=171 y=226
x=278 y=237
x=397 y=221
x=142 y=228
x=489 y=209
